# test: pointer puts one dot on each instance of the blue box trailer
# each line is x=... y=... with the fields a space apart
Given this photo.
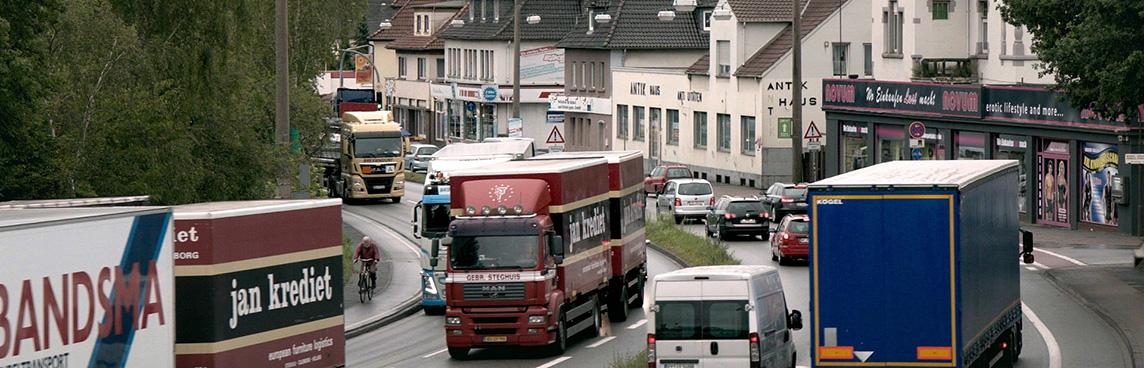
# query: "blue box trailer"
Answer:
x=915 y=264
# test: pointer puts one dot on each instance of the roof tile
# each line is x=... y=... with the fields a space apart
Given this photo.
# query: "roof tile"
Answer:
x=816 y=11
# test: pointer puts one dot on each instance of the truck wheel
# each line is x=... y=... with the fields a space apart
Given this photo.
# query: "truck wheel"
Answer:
x=396 y=199
x=561 y=342
x=459 y=353
x=618 y=308
x=597 y=319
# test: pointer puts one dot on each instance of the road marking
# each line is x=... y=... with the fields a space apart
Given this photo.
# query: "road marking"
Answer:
x=555 y=362
x=1031 y=268
x=411 y=202
x=1038 y=264
x=637 y=324
x=400 y=239
x=1076 y=262
x=1050 y=341
x=438 y=352
x=602 y=342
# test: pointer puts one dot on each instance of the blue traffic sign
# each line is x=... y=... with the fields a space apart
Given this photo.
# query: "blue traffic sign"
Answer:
x=916 y=153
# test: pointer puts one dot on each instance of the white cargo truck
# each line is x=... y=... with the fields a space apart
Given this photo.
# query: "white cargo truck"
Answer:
x=90 y=287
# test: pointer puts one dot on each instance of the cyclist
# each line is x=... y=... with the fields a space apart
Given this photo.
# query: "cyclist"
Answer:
x=368 y=254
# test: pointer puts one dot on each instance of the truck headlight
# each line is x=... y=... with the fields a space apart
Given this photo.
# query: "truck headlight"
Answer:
x=537 y=320
x=452 y=321
x=399 y=181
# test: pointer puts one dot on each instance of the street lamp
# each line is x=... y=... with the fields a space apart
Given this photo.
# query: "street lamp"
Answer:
x=532 y=19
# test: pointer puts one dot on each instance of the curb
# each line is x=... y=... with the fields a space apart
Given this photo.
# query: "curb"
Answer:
x=674 y=258
x=1128 y=350
x=405 y=309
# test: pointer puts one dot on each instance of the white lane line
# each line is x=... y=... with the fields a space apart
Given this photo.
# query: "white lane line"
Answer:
x=438 y=352
x=1038 y=264
x=637 y=324
x=411 y=203
x=1050 y=341
x=1034 y=269
x=399 y=238
x=602 y=342
x=555 y=362
x=1076 y=262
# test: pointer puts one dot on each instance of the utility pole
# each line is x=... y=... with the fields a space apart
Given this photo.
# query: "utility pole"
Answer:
x=516 y=58
x=282 y=88
x=797 y=175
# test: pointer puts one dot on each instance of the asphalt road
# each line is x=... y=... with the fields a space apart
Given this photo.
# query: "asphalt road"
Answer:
x=1058 y=331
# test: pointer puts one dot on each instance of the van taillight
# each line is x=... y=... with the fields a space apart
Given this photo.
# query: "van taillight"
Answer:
x=755 y=355
x=678 y=202
x=650 y=350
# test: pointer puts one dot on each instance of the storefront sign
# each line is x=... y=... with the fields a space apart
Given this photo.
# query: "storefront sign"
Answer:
x=1101 y=163
x=643 y=89
x=1038 y=105
x=689 y=96
x=1011 y=143
x=579 y=104
x=929 y=99
x=441 y=90
x=489 y=93
x=847 y=128
x=480 y=93
x=542 y=65
x=515 y=127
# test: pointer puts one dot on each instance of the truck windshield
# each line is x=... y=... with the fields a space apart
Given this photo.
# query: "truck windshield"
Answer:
x=494 y=252
x=701 y=320
x=367 y=147
x=436 y=217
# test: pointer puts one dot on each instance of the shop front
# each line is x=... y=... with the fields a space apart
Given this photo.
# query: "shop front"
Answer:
x=1070 y=161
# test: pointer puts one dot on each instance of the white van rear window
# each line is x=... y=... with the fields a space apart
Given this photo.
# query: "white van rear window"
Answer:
x=701 y=320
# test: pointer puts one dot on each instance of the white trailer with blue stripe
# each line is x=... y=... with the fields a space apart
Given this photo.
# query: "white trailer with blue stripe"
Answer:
x=431 y=216
x=87 y=287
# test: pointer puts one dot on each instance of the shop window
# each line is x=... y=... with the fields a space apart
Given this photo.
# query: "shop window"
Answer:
x=970 y=145
x=1011 y=147
x=1101 y=163
x=891 y=143
x=855 y=151
x=488 y=120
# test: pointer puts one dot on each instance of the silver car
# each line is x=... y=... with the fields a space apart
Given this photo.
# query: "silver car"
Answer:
x=418 y=157
x=686 y=198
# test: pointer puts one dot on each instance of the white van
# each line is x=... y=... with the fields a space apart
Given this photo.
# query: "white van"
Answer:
x=720 y=316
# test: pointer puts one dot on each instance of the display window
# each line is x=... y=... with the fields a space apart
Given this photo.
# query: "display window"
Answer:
x=892 y=143
x=1053 y=191
x=488 y=120
x=1011 y=147
x=1099 y=166
x=970 y=145
x=855 y=139
x=933 y=146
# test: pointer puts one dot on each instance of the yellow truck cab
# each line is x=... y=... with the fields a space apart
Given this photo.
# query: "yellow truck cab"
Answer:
x=371 y=161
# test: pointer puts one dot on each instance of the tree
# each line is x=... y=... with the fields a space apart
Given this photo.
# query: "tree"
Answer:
x=1093 y=48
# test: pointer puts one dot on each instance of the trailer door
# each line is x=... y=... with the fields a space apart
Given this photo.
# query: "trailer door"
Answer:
x=882 y=278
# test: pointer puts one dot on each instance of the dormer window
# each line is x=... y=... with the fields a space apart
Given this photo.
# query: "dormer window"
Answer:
x=707 y=20
x=421 y=25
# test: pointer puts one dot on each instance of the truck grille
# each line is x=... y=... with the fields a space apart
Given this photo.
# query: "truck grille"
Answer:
x=497 y=291
x=483 y=320
x=379 y=185
x=495 y=331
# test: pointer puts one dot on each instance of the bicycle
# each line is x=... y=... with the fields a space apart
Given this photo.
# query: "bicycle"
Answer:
x=365 y=283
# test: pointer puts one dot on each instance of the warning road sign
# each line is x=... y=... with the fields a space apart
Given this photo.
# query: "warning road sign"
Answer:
x=812 y=132
x=555 y=136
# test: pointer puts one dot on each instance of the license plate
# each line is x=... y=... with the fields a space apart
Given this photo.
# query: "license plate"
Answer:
x=695 y=203
x=380 y=187
x=800 y=204
x=678 y=365
x=494 y=339
x=748 y=221
x=803 y=240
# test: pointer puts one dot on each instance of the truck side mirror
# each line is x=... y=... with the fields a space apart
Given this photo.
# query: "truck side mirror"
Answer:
x=434 y=250
x=556 y=247
x=794 y=320
x=415 y=222
x=1027 y=246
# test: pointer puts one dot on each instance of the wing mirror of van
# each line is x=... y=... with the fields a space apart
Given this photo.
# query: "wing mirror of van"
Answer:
x=794 y=320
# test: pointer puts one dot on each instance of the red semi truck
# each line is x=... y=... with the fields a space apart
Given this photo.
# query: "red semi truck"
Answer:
x=531 y=259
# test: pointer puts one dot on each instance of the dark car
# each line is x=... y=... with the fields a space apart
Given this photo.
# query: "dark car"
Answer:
x=789 y=239
x=783 y=199
x=661 y=174
x=731 y=216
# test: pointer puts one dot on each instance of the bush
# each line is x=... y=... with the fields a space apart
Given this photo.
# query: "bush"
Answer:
x=347 y=259
x=414 y=177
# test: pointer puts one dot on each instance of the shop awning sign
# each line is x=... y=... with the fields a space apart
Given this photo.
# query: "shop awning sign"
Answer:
x=1134 y=158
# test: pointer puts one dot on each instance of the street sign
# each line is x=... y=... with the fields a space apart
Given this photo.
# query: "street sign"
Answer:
x=554 y=137
x=917 y=143
x=917 y=130
x=784 y=128
x=1134 y=158
x=814 y=145
x=916 y=153
x=812 y=132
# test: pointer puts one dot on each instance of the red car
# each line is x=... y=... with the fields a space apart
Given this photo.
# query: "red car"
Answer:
x=661 y=174
x=789 y=239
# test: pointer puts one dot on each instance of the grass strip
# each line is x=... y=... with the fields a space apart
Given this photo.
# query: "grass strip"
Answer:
x=694 y=249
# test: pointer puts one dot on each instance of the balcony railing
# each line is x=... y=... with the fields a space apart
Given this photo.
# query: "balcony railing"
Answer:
x=951 y=71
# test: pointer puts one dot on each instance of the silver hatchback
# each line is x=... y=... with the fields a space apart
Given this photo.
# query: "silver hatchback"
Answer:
x=686 y=198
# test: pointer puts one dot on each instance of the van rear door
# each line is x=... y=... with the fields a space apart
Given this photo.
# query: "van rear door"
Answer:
x=702 y=323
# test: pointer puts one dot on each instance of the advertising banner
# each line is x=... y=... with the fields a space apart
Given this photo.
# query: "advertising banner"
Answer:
x=1052 y=193
x=544 y=65
x=1038 y=105
x=89 y=292
x=1100 y=164
x=919 y=98
x=363 y=71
